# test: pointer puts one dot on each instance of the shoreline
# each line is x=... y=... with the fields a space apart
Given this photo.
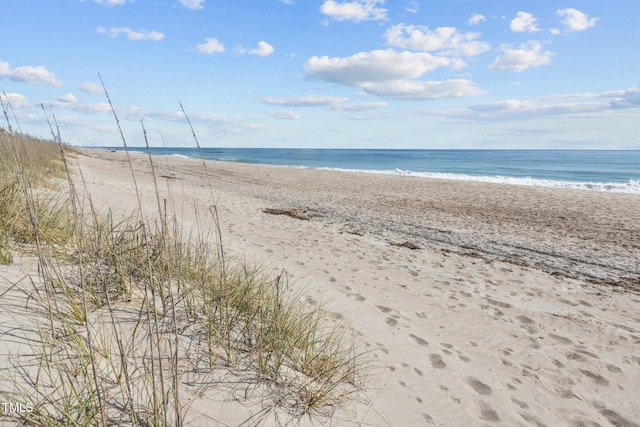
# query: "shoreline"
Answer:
x=627 y=186
x=585 y=234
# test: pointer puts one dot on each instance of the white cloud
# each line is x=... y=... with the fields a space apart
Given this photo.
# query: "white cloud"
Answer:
x=551 y=106
x=211 y=45
x=447 y=40
x=513 y=109
x=29 y=74
x=413 y=7
x=288 y=2
x=284 y=115
x=360 y=106
x=100 y=107
x=391 y=74
x=114 y=32
x=17 y=100
x=336 y=103
x=528 y=55
x=575 y=20
x=89 y=87
x=476 y=18
x=263 y=49
x=193 y=4
x=374 y=66
x=225 y=124
x=110 y=3
x=524 y=22
x=306 y=101
x=356 y=10
x=629 y=98
x=423 y=90
x=68 y=97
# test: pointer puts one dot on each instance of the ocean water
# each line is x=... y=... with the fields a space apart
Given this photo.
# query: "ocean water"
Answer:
x=601 y=170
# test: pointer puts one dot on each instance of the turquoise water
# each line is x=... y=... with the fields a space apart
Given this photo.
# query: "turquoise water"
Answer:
x=617 y=171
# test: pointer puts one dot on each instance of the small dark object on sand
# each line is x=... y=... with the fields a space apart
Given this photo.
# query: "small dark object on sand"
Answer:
x=407 y=244
x=293 y=213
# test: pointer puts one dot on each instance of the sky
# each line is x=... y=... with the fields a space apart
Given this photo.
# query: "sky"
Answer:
x=423 y=74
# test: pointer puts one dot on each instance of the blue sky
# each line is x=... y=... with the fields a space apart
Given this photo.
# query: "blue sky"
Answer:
x=327 y=73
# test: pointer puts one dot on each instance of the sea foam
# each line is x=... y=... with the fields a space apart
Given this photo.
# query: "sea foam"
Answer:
x=630 y=187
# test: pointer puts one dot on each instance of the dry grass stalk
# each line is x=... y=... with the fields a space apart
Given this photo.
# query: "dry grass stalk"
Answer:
x=136 y=306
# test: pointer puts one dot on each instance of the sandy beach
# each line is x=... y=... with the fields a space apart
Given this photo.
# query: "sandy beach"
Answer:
x=476 y=304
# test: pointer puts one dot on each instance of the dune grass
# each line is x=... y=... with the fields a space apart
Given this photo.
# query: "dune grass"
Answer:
x=134 y=310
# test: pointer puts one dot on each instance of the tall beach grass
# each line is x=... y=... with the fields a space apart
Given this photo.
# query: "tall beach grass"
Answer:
x=137 y=315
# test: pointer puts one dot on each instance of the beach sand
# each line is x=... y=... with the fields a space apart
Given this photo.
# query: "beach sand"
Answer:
x=476 y=304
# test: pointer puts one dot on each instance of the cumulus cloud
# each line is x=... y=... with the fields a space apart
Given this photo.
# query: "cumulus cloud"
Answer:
x=193 y=4
x=90 y=87
x=284 y=115
x=390 y=74
x=476 y=18
x=263 y=49
x=17 y=100
x=29 y=74
x=423 y=90
x=575 y=20
x=527 y=55
x=374 y=66
x=524 y=22
x=356 y=10
x=68 y=97
x=114 y=32
x=446 y=40
x=211 y=45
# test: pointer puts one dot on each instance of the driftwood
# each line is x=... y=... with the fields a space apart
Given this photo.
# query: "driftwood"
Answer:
x=407 y=244
x=293 y=213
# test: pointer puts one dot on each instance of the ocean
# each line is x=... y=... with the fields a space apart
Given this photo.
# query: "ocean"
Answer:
x=600 y=170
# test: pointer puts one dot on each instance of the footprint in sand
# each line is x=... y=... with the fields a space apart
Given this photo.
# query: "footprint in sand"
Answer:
x=616 y=419
x=520 y=403
x=525 y=320
x=598 y=379
x=436 y=361
x=498 y=303
x=335 y=316
x=428 y=418
x=561 y=339
x=614 y=369
x=478 y=386
x=487 y=413
x=419 y=340
x=383 y=308
x=391 y=322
